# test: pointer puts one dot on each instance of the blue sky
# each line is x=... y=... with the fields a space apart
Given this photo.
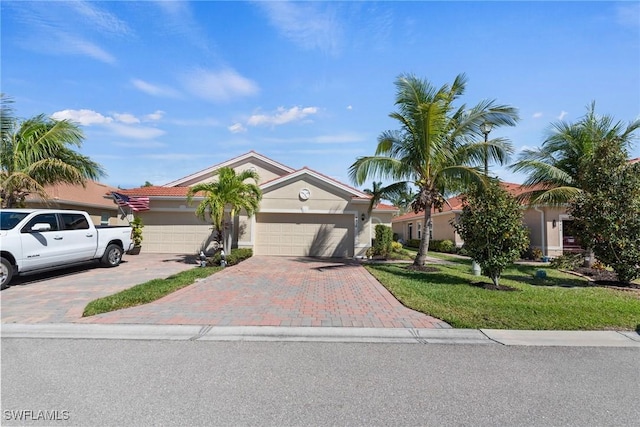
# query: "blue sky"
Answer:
x=164 y=89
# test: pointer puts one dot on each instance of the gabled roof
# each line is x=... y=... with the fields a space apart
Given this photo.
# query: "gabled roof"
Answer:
x=210 y=170
x=310 y=172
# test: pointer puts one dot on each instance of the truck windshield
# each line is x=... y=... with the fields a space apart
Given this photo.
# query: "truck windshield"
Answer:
x=8 y=220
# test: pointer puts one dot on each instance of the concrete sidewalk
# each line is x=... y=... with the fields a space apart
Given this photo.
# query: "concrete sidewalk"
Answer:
x=322 y=334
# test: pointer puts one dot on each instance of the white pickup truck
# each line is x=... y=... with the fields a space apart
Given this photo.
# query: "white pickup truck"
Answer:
x=35 y=240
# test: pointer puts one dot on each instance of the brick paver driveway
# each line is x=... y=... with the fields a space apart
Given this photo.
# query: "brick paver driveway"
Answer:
x=61 y=296
x=279 y=291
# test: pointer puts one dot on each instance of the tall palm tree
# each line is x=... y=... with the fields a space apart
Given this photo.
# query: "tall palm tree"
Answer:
x=553 y=170
x=230 y=192
x=436 y=148
x=38 y=152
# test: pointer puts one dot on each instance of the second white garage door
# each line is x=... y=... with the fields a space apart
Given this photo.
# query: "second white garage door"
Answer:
x=325 y=235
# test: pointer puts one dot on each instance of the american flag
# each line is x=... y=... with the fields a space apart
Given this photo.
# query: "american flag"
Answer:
x=135 y=203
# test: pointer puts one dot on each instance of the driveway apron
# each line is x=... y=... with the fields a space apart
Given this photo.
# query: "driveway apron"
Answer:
x=280 y=291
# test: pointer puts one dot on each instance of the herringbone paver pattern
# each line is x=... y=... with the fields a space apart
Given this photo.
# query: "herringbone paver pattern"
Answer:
x=277 y=291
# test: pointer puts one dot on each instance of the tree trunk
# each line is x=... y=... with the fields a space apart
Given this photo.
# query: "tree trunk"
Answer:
x=423 y=250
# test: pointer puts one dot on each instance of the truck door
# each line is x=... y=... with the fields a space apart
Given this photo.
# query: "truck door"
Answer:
x=41 y=248
x=79 y=238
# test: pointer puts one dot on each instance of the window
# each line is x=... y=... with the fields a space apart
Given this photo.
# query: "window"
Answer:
x=410 y=231
x=419 y=230
x=104 y=218
x=48 y=218
x=74 y=221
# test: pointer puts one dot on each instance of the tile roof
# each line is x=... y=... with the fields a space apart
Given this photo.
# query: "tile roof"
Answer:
x=93 y=193
x=455 y=203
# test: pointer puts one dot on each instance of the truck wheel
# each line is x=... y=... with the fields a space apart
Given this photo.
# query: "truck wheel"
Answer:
x=6 y=273
x=112 y=256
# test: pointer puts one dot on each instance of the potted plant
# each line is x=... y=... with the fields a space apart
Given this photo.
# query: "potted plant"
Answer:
x=136 y=235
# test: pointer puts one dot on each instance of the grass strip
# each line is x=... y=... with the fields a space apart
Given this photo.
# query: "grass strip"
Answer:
x=558 y=302
x=147 y=292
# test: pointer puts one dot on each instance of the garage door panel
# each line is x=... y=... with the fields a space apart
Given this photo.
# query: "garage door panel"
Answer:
x=304 y=234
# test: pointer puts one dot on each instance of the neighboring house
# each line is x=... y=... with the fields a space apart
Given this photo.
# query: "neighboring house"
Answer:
x=302 y=213
x=93 y=198
x=550 y=228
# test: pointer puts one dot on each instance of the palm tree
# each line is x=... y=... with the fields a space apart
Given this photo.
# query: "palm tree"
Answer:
x=436 y=148
x=403 y=200
x=229 y=192
x=391 y=191
x=38 y=152
x=553 y=170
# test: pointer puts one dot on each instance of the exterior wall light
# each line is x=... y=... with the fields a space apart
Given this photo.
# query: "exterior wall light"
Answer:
x=363 y=217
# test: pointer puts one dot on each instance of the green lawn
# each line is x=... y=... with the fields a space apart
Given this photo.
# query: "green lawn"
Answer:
x=559 y=302
x=147 y=292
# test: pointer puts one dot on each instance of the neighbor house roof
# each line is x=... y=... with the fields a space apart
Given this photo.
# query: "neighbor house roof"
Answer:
x=454 y=204
x=92 y=194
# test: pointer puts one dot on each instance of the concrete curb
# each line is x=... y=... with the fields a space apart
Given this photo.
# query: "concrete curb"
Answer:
x=321 y=334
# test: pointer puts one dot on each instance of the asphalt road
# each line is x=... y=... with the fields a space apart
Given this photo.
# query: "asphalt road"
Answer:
x=139 y=383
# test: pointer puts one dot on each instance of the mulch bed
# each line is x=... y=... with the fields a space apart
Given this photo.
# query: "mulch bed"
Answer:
x=604 y=278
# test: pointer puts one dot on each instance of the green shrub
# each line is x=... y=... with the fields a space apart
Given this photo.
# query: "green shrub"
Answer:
x=568 y=261
x=383 y=241
x=412 y=243
x=448 y=246
x=396 y=246
x=232 y=258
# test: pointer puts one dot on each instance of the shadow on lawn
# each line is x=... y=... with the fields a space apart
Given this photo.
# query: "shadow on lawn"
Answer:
x=438 y=277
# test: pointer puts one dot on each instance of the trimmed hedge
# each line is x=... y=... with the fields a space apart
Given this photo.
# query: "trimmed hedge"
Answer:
x=446 y=246
x=232 y=258
x=382 y=245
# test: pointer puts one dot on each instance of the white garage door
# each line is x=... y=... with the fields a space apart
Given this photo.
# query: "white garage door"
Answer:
x=329 y=235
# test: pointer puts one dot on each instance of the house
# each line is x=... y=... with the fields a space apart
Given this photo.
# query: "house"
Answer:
x=302 y=213
x=94 y=198
x=550 y=228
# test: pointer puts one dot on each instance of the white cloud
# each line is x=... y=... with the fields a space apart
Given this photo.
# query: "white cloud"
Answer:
x=120 y=124
x=537 y=115
x=281 y=116
x=155 y=116
x=98 y=18
x=310 y=25
x=155 y=90
x=83 y=117
x=349 y=107
x=218 y=86
x=136 y=132
x=562 y=115
x=126 y=118
x=76 y=46
x=237 y=128
x=173 y=156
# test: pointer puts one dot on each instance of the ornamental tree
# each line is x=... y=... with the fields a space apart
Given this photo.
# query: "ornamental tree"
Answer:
x=607 y=214
x=492 y=228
